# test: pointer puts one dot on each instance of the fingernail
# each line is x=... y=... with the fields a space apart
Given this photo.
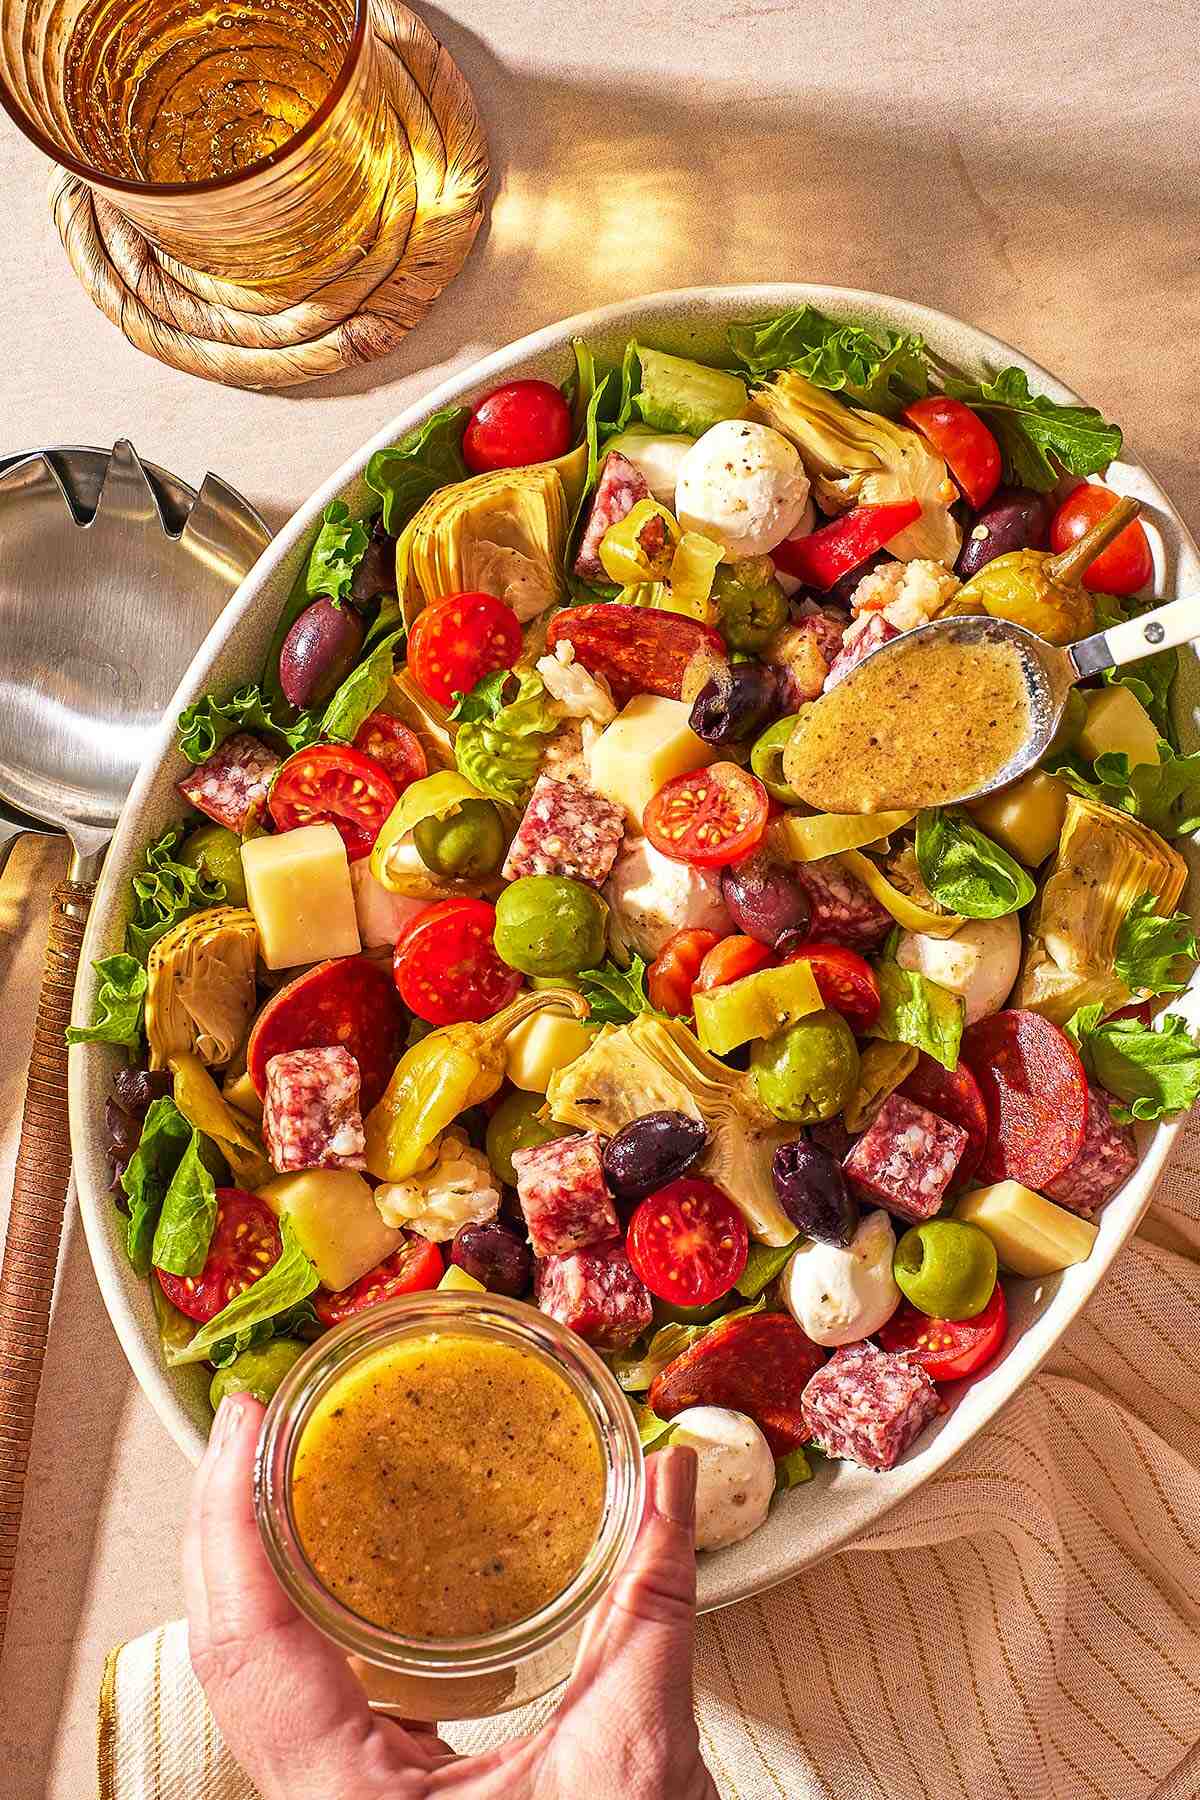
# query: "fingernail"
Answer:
x=673 y=1494
x=225 y=1425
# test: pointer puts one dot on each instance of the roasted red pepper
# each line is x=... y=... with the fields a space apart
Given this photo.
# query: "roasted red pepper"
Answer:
x=824 y=556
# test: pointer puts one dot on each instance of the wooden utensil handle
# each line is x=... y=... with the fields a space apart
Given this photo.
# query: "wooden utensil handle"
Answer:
x=36 y=1219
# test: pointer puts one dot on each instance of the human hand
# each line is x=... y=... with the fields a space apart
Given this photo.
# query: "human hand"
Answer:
x=297 y=1720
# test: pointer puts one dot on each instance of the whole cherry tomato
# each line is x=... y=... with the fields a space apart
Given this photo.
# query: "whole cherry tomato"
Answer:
x=845 y=980
x=331 y=784
x=394 y=746
x=521 y=422
x=729 y=960
x=1127 y=565
x=244 y=1244
x=948 y=1349
x=455 y=642
x=446 y=967
x=961 y=437
x=415 y=1265
x=709 y=818
x=672 y=975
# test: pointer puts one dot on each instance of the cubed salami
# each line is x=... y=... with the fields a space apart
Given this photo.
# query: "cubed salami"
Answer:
x=842 y=910
x=566 y=830
x=564 y=1196
x=311 y=1116
x=877 y=631
x=799 y=662
x=232 y=785
x=868 y=1405
x=597 y=1294
x=620 y=487
x=1106 y=1158
x=907 y=1158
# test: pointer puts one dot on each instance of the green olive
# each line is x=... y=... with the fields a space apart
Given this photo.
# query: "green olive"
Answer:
x=515 y=1126
x=550 y=925
x=467 y=846
x=751 y=605
x=946 y=1267
x=766 y=760
x=808 y=1072
x=258 y=1372
x=217 y=853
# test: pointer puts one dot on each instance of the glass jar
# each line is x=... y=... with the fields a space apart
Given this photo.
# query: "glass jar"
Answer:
x=466 y=1677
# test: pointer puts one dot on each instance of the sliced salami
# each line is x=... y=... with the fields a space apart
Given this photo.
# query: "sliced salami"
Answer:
x=953 y=1094
x=311 y=1114
x=1106 y=1157
x=637 y=649
x=232 y=786
x=349 y=1001
x=906 y=1159
x=1035 y=1092
x=597 y=1294
x=566 y=830
x=842 y=910
x=563 y=1194
x=757 y=1364
x=620 y=487
x=867 y=1406
x=875 y=632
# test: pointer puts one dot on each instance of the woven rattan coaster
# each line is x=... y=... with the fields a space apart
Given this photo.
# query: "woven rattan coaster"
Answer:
x=212 y=328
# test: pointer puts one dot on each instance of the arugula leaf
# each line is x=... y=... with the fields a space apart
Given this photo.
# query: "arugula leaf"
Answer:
x=166 y=1134
x=615 y=995
x=166 y=891
x=1032 y=429
x=205 y=725
x=295 y=1321
x=120 y=999
x=1150 y=946
x=289 y=1280
x=965 y=871
x=873 y=367
x=425 y=459
x=916 y=1011
x=189 y=1209
x=499 y=742
x=1156 y=1074
x=1164 y=795
x=792 y=1471
x=763 y=1263
x=362 y=690
x=340 y=547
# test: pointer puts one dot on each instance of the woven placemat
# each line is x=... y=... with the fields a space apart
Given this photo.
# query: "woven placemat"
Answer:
x=219 y=331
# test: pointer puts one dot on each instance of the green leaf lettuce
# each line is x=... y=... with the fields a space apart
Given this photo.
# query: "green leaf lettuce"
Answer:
x=1150 y=948
x=873 y=367
x=1031 y=430
x=120 y=1001
x=1153 y=1073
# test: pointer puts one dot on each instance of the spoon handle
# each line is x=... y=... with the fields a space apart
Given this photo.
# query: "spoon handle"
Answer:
x=1176 y=623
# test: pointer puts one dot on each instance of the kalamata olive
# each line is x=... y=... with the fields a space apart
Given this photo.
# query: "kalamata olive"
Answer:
x=813 y=1192
x=123 y=1130
x=735 y=704
x=1013 y=519
x=376 y=572
x=319 y=652
x=137 y=1088
x=842 y=591
x=765 y=900
x=649 y=1152
x=495 y=1255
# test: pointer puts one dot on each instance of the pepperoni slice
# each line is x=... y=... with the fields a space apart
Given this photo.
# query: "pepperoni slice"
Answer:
x=350 y=1002
x=244 y=1244
x=952 y=1094
x=637 y=649
x=1034 y=1091
x=758 y=1364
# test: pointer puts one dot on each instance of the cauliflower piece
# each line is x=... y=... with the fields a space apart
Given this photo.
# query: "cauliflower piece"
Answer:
x=979 y=963
x=743 y=485
x=458 y=1190
x=736 y=1476
x=652 y=896
x=580 y=694
x=840 y=1294
x=908 y=594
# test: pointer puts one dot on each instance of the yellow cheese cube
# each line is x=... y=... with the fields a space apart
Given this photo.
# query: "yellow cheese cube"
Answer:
x=646 y=744
x=1025 y=819
x=1117 y=720
x=458 y=1279
x=298 y=888
x=540 y=1046
x=336 y=1222
x=1032 y=1235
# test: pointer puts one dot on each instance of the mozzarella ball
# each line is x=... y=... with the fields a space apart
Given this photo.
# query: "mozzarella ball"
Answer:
x=657 y=457
x=736 y=1476
x=381 y=914
x=979 y=962
x=743 y=485
x=841 y=1295
x=652 y=896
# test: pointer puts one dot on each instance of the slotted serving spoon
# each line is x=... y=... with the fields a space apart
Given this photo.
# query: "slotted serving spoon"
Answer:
x=111 y=573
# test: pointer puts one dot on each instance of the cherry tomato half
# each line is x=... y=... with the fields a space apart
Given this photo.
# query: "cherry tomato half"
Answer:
x=948 y=1349
x=331 y=784
x=1126 y=565
x=416 y=1264
x=845 y=980
x=244 y=1244
x=962 y=438
x=672 y=975
x=521 y=422
x=711 y=817
x=446 y=967
x=688 y=1242
x=455 y=642
x=394 y=747
x=730 y=959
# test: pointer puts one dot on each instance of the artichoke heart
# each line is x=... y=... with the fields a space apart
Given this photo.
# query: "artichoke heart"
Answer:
x=860 y=458
x=501 y=533
x=200 y=988
x=1105 y=861
x=655 y=1064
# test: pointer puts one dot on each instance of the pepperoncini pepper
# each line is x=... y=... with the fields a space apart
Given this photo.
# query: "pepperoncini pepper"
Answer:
x=641 y=546
x=440 y=1076
x=1043 y=592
